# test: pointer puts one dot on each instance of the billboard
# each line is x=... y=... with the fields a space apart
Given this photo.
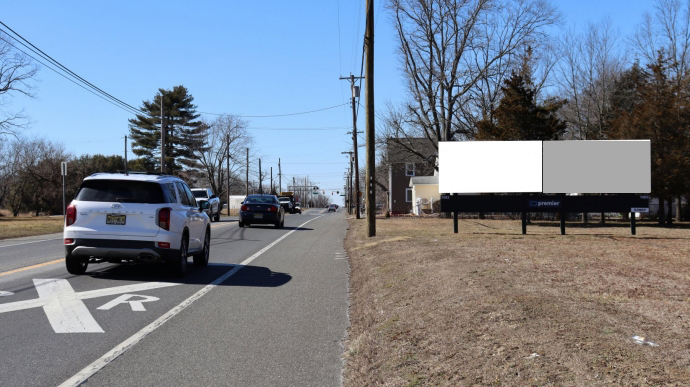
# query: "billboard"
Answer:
x=609 y=166
x=489 y=166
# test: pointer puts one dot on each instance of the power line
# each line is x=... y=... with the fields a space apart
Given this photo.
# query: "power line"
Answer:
x=284 y=129
x=70 y=79
x=277 y=115
x=61 y=66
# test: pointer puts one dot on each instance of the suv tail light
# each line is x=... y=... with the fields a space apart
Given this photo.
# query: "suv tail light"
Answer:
x=245 y=208
x=164 y=218
x=71 y=215
x=272 y=209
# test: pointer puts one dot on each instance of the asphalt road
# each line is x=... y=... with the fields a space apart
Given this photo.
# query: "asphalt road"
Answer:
x=269 y=310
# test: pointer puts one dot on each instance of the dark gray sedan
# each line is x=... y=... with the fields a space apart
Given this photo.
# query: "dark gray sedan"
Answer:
x=262 y=209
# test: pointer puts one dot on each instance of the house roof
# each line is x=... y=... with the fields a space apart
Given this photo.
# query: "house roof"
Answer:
x=423 y=180
x=410 y=150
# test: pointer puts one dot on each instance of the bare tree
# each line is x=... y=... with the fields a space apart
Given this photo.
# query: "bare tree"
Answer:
x=454 y=55
x=590 y=65
x=667 y=30
x=16 y=72
x=226 y=134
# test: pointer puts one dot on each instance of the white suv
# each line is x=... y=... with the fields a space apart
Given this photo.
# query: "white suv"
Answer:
x=137 y=218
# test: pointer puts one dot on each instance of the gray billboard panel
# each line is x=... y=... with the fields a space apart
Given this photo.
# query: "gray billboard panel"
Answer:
x=611 y=166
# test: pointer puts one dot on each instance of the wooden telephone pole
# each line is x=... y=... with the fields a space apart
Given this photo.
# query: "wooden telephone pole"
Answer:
x=247 y=172
x=162 y=138
x=355 y=93
x=371 y=150
x=227 y=171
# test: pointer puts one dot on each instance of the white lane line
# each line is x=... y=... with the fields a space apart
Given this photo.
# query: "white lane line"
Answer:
x=26 y=243
x=121 y=348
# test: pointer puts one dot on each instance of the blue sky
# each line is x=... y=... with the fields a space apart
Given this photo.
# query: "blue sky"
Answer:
x=238 y=57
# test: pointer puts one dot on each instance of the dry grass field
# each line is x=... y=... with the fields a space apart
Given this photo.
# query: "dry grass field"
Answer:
x=433 y=308
x=22 y=226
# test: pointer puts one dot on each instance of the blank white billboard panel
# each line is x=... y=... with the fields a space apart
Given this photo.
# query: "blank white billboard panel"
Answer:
x=490 y=166
x=611 y=166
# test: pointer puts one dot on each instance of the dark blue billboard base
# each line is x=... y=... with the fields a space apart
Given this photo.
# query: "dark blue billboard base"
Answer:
x=562 y=204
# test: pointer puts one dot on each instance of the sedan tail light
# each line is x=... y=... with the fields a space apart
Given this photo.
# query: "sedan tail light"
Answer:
x=272 y=209
x=164 y=218
x=245 y=208
x=71 y=215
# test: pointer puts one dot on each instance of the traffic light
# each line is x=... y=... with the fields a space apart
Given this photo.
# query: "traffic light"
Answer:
x=331 y=193
x=323 y=192
x=338 y=192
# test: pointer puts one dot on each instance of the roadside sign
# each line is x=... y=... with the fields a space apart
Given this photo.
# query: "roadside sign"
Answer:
x=63 y=168
x=645 y=210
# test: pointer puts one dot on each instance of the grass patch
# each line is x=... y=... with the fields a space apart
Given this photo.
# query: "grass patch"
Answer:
x=11 y=227
x=433 y=308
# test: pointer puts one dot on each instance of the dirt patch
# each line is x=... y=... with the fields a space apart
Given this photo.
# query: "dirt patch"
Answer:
x=11 y=227
x=472 y=308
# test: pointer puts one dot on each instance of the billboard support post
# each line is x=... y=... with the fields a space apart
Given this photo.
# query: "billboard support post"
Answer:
x=632 y=223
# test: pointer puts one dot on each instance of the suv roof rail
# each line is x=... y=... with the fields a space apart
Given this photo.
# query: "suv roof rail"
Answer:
x=142 y=172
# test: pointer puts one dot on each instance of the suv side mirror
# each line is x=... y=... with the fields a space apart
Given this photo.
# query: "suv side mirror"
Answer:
x=204 y=206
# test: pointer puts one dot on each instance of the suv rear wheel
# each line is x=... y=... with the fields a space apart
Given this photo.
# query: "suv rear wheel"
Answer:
x=178 y=265
x=201 y=258
x=76 y=265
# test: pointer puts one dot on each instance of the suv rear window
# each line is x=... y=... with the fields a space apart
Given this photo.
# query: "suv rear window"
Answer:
x=199 y=194
x=125 y=191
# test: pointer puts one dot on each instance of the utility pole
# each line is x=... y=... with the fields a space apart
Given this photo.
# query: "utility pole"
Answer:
x=371 y=150
x=280 y=178
x=294 y=189
x=162 y=138
x=349 y=205
x=271 y=191
x=261 y=186
x=355 y=93
x=126 y=155
x=247 y=172
x=227 y=171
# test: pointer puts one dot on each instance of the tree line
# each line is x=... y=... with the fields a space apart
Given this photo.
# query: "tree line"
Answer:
x=196 y=150
x=496 y=70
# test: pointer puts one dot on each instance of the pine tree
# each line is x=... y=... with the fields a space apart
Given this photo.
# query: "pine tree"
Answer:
x=519 y=117
x=650 y=104
x=182 y=132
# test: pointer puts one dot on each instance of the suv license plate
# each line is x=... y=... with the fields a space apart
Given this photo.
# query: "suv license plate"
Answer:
x=258 y=216
x=115 y=219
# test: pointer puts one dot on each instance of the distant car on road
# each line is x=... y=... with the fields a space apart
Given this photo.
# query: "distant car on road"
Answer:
x=262 y=209
x=206 y=194
x=332 y=207
x=136 y=218
x=298 y=208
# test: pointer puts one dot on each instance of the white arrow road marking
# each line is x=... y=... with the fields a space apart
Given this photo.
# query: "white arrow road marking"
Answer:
x=137 y=305
x=66 y=313
x=64 y=308
x=3 y=293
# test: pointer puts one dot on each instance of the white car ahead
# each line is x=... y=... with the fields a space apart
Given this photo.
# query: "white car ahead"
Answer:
x=119 y=217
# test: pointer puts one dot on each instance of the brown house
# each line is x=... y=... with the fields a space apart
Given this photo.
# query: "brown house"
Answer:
x=407 y=157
